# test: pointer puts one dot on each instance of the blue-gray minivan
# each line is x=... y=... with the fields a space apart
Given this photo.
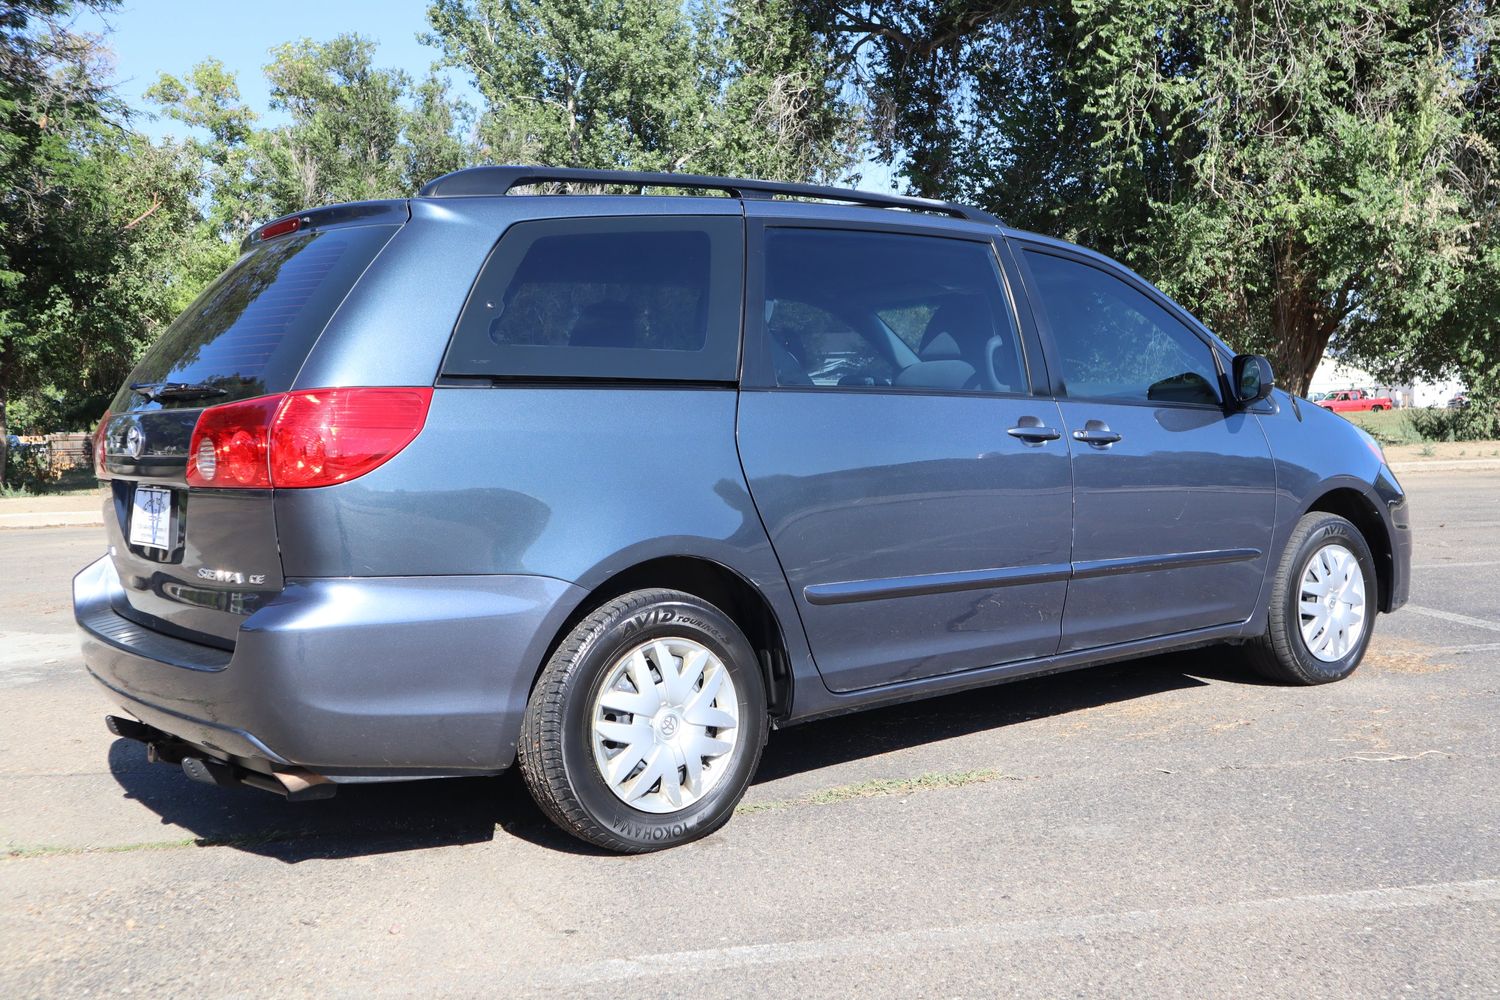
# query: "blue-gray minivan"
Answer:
x=609 y=483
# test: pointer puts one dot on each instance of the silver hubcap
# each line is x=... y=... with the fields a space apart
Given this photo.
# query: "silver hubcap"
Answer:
x=1332 y=603
x=665 y=723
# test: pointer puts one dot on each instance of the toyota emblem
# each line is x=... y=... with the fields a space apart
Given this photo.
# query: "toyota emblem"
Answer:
x=135 y=442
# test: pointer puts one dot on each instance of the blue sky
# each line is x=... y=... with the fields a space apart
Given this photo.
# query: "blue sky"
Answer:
x=151 y=37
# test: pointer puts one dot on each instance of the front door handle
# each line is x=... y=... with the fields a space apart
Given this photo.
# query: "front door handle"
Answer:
x=1032 y=431
x=1096 y=433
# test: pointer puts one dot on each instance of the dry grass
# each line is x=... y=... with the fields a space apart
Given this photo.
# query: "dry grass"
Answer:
x=1403 y=656
x=879 y=787
x=1442 y=451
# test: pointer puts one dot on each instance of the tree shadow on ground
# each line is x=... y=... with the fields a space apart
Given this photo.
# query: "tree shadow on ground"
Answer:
x=369 y=819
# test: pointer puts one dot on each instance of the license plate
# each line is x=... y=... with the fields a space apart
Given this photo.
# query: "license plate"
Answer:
x=151 y=518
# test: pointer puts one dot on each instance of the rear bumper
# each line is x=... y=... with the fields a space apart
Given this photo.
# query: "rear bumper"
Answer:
x=380 y=676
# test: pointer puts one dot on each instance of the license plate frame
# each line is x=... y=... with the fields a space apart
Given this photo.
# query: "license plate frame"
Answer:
x=153 y=518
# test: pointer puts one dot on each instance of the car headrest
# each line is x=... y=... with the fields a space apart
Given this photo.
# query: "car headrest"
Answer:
x=958 y=330
x=789 y=370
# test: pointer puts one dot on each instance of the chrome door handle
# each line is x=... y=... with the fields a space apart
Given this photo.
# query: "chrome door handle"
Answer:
x=1096 y=433
x=1034 y=433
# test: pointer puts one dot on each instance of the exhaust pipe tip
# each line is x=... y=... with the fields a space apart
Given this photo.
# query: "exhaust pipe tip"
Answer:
x=129 y=729
x=209 y=772
x=303 y=785
x=293 y=784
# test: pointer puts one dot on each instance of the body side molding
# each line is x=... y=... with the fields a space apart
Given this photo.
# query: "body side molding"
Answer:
x=942 y=583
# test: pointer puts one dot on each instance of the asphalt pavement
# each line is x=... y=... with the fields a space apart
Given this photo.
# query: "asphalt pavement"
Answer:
x=1167 y=827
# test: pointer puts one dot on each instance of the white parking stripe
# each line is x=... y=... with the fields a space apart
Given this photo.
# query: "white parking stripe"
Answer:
x=1457 y=619
x=1457 y=565
x=1483 y=647
x=885 y=944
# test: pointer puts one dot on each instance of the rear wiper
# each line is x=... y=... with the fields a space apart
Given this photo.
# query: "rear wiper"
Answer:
x=178 y=390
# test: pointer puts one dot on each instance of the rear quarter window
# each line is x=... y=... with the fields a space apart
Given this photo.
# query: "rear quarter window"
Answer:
x=626 y=298
x=252 y=328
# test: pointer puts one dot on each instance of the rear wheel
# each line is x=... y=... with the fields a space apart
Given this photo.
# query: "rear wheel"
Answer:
x=647 y=724
x=1323 y=602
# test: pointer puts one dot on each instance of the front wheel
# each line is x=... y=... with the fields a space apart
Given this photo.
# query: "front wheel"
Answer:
x=646 y=725
x=1323 y=602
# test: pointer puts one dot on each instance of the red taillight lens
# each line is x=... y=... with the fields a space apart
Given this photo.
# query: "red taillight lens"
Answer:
x=327 y=436
x=315 y=437
x=101 y=471
x=230 y=444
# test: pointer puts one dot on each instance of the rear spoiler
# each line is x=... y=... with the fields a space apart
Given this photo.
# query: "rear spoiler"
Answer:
x=356 y=213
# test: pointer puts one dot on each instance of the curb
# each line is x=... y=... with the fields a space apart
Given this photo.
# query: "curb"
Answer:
x=1446 y=465
x=52 y=519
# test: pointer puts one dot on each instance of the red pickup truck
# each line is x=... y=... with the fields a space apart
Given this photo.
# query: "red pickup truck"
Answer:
x=1355 y=399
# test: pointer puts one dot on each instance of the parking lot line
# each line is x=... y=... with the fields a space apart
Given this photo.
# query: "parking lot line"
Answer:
x=1483 y=647
x=1457 y=619
x=1457 y=565
x=884 y=944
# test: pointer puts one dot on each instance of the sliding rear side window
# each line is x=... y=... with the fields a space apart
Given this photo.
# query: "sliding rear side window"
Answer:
x=606 y=298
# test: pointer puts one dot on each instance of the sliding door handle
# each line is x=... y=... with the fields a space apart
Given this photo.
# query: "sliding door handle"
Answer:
x=1096 y=433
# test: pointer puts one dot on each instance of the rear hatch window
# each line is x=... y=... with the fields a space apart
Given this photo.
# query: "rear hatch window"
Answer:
x=622 y=298
x=250 y=331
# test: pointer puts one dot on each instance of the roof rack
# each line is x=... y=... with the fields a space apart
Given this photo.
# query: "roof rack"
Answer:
x=500 y=180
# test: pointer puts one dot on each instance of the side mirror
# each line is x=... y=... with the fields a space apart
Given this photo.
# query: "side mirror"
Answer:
x=1251 y=378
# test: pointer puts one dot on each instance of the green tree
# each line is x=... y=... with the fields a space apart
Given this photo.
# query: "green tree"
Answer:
x=344 y=139
x=54 y=219
x=650 y=84
x=102 y=237
x=229 y=145
x=354 y=132
x=785 y=113
x=437 y=133
x=1298 y=174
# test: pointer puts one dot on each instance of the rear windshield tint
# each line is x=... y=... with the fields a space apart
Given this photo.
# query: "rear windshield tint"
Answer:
x=630 y=298
x=250 y=331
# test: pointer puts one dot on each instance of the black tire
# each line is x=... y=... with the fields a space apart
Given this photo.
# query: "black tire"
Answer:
x=1281 y=654
x=556 y=749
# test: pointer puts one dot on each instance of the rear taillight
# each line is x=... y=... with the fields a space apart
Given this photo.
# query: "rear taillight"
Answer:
x=101 y=471
x=327 y=436
x=314 y=437
x=230 y=444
